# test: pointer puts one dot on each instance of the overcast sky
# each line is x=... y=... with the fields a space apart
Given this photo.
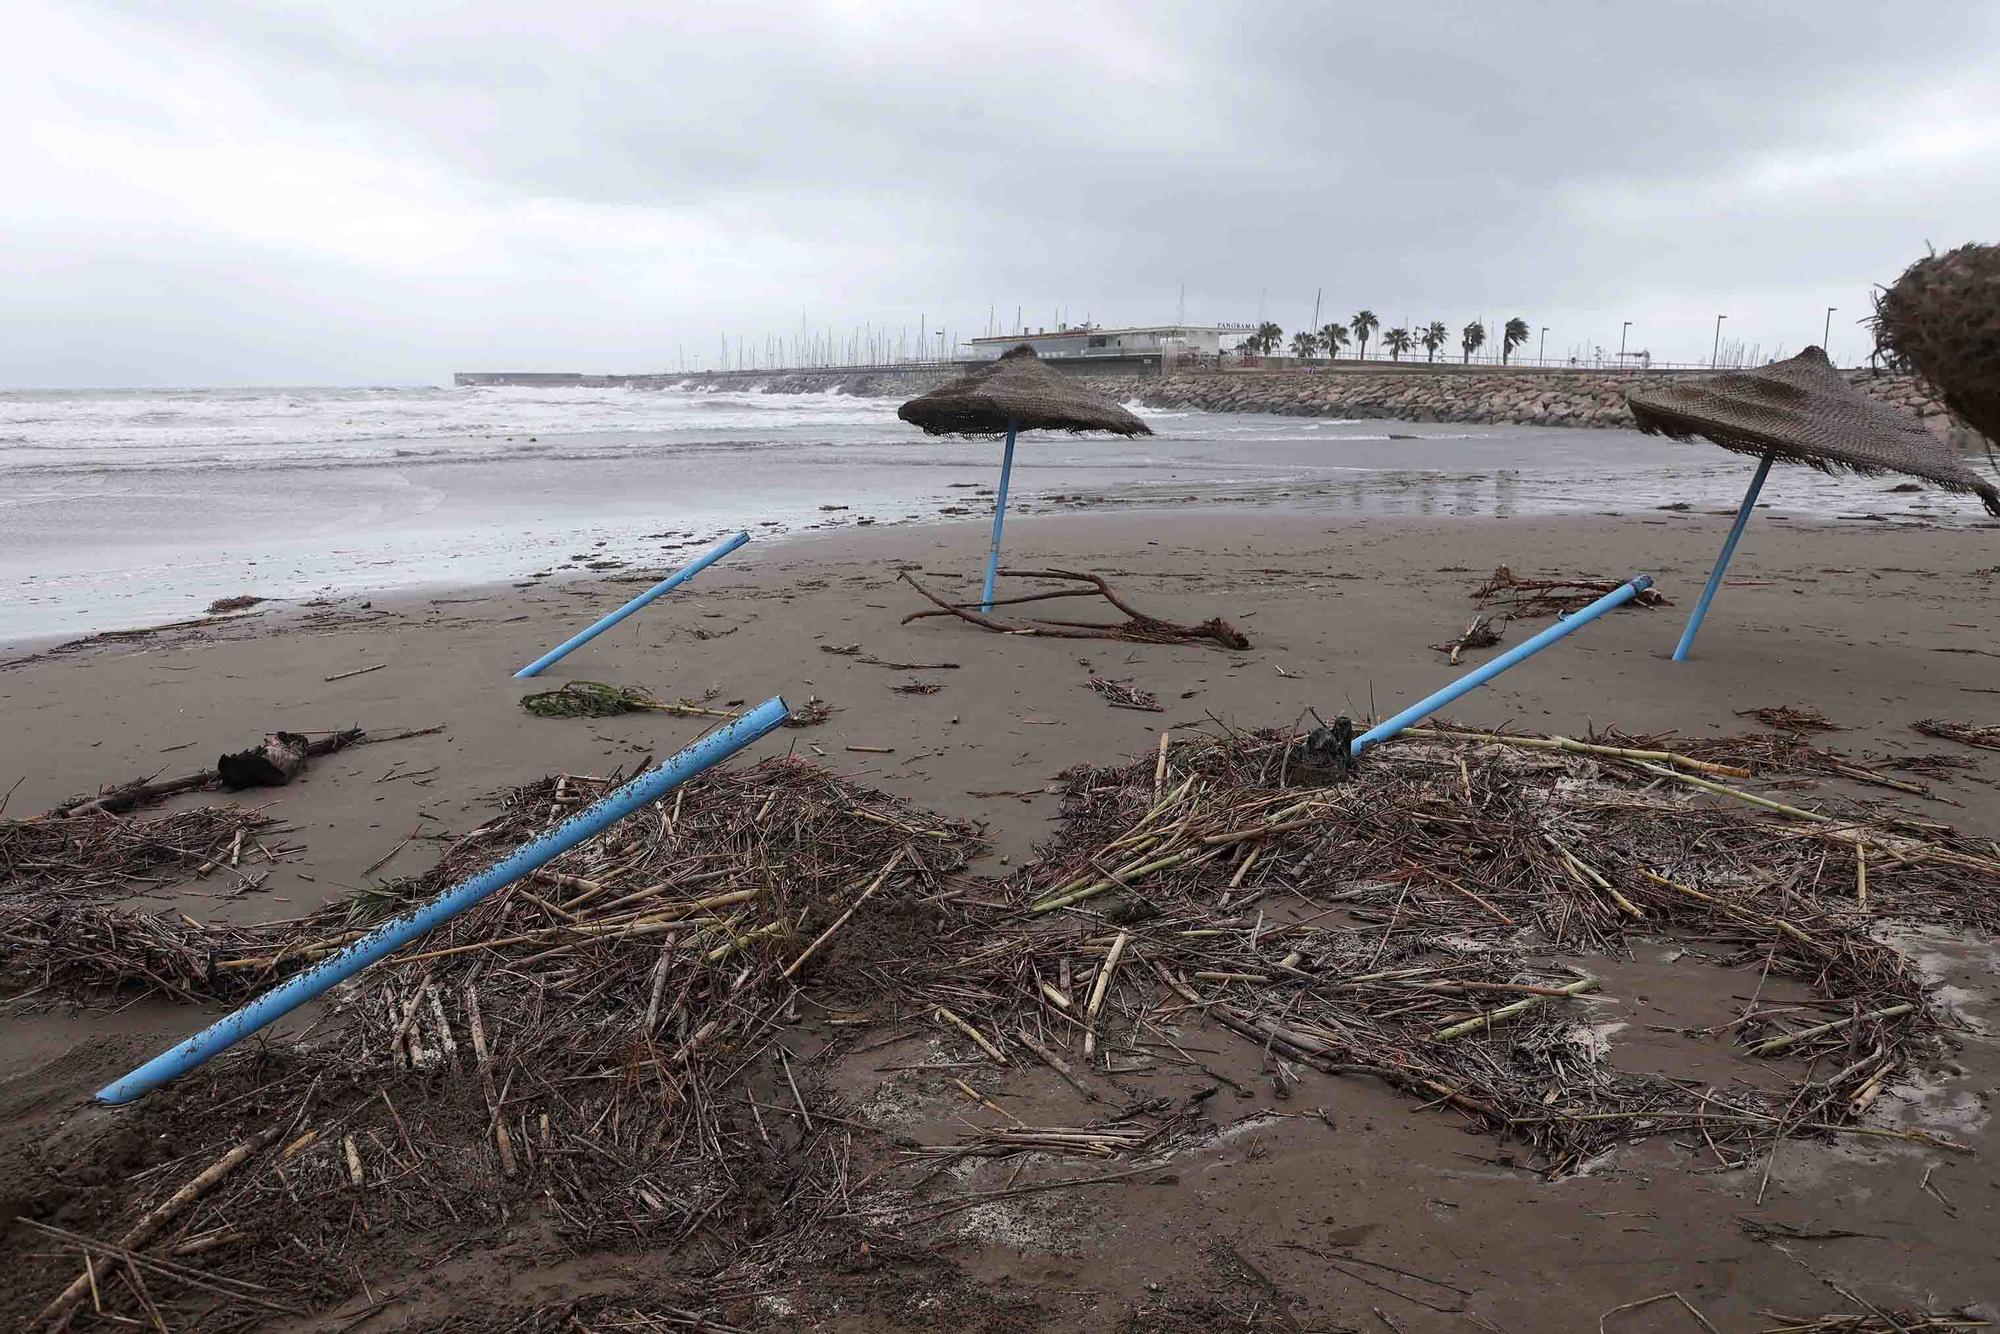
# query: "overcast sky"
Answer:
x=262 y=193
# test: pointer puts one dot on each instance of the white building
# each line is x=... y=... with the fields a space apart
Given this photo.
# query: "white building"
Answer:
x=1150 y=342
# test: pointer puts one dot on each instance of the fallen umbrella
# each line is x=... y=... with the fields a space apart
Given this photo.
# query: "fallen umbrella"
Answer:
x=661 y=589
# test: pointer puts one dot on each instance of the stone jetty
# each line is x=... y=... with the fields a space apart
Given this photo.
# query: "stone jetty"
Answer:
x=1527 y=398
x=1413 y=393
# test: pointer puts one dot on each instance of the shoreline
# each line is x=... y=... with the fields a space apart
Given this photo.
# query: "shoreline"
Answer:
x=1699 y=486
x=277 y=614
x=1403 y=576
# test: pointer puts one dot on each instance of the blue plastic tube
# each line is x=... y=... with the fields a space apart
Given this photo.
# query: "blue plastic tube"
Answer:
x=999 y=521
x=1480 y=675
x=1722 y=562
x=393 y=935
x=665 y=586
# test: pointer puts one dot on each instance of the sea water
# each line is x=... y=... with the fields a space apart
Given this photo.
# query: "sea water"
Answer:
x=124 y=507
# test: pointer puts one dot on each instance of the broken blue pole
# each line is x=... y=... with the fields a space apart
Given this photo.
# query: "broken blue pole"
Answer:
x=393 y=935
x=665 y=586
x=1722 y=561
x=1479 y=676
x=999 y=520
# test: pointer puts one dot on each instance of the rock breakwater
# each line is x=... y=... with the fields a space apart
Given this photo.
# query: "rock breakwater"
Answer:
x=1527 y=398
x=1416 y=394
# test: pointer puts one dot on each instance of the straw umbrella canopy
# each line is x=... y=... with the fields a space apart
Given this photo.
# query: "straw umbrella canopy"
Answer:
x=1801 y=411
x=1019 y=392
x=1941 y=319
x=1804 y=411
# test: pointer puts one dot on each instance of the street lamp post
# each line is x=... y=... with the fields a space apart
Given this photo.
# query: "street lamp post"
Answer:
x=1716 y=350
x=1621 y=342
x=1542 y=349
x=1826 y=334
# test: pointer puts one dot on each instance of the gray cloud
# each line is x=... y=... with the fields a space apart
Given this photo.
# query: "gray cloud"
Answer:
x=238 y=192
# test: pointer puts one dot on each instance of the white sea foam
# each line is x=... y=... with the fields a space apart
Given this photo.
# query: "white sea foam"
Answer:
x=151 y=430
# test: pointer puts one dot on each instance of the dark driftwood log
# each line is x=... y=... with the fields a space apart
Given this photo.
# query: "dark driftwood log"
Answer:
x=273 y=764
x=142 y=791
x=1138 y=628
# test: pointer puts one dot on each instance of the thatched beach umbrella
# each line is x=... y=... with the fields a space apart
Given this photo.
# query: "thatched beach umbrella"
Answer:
x=1941 y=320
x=1016 y=393
x=1801 y=411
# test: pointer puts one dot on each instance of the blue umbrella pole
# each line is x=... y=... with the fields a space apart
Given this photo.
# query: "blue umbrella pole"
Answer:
x=393 y=935
x=999 y=521
x=1722 y=562
x=665 y=586
x=1479 y=676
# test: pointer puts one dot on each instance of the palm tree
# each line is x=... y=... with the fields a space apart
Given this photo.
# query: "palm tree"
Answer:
x=1265 y=338
x=1434 y=338
x=1333 y=337
x=1304 y=345
x=1472 y=338
x=1364 y=323
x=1511 y=337
x=1398 y=341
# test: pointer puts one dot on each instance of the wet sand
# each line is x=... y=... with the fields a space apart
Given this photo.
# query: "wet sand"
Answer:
x=1874 y=625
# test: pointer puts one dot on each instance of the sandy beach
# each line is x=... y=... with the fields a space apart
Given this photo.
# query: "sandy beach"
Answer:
x=1135 y=765
x=1875 y=625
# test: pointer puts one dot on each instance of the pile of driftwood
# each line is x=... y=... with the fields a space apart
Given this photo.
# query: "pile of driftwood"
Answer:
x=1971 y=734
x=1505 y=597
x=1436 y=859
x=98 y=855
x=272 y=762
x=603 y=1043
x=1517 y=598
x=643 y=1043
x=1138 y=627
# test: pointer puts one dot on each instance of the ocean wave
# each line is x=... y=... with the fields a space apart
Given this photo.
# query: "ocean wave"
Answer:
x=47 y=436
x=120 y=423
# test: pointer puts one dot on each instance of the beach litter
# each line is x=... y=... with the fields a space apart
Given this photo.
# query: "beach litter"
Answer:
x=810 y=714
x=598 y=699
x=854 y=651
x=1516 y=598
x=273 y=763
x=1791 y=718
x=1970 y=734
x=95 y=854
x=1505 y=597
x=1900 y=1320
x=641 y=1039
x=1138 y=627
x=658 y=590
x=1481 y=633
x=1125 y=695
x=578 y=1043
x=277 y=760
